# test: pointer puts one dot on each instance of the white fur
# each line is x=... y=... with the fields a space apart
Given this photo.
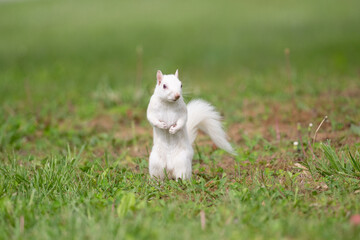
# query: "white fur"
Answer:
x=175 y=128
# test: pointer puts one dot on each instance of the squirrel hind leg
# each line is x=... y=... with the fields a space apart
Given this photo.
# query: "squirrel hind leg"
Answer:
x=182 y=167
x=156 y=166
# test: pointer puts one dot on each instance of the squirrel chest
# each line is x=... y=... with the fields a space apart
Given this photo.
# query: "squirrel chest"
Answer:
x=170 y=113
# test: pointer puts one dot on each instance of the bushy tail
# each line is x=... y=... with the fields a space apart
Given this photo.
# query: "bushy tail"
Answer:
x=203 y=116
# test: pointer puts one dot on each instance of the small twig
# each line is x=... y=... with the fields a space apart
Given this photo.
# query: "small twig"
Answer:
x=22 y=224
x=202 y=219
x=314 y=138
x=311 y=149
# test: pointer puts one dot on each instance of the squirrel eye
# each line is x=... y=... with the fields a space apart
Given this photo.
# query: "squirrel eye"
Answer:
x=164 y=86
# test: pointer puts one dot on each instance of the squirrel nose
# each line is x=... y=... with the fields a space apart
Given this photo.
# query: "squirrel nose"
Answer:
x=177 y=96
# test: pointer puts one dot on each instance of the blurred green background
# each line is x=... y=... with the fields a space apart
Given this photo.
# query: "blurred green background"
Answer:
x=75 y=80
x=69 y=48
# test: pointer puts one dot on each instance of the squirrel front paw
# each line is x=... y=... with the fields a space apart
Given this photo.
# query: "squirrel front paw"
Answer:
x=173 y=129
x=162 y=125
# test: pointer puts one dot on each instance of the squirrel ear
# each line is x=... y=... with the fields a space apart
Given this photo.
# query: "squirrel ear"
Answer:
x=159 y=76
x=177 y=73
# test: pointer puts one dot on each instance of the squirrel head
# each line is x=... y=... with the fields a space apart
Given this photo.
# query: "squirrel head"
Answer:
x=168 y=87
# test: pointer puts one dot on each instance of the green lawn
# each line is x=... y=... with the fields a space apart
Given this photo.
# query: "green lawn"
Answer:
x=75 y=80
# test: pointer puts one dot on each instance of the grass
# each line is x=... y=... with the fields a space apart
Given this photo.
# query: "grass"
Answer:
x=75 y=80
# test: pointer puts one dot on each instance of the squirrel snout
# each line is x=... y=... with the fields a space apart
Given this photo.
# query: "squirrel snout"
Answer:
x=177 y=96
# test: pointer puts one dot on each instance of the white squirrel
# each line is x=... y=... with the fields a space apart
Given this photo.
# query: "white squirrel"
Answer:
x=175 y=128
